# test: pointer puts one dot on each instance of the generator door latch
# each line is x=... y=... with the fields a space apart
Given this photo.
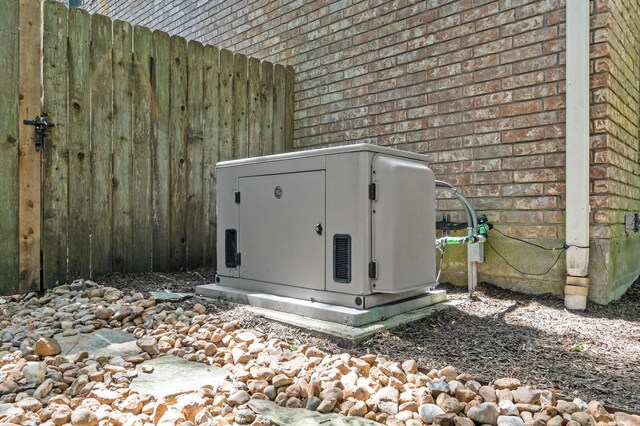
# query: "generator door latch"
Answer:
x=319 y=228
x=236 y=195
x=372 y=191
x=373 y=270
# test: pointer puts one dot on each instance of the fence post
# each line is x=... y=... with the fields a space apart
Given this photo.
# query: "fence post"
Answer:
x=30 y=89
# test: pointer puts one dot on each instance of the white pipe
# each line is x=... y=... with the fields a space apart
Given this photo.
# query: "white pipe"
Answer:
x=577 y=153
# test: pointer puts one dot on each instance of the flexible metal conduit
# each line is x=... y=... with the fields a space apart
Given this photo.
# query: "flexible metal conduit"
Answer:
x=472 y=219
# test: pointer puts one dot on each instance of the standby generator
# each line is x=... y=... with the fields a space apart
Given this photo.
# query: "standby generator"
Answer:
x=351 y=226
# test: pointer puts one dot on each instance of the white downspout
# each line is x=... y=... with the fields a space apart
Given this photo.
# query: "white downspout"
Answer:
x=577 y=154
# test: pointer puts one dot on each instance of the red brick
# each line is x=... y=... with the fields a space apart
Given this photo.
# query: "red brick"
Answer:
x=535 y=203
x=522 y=189
x=521 y=108
x=523 y=163
x=535 y=175
x=538 y=147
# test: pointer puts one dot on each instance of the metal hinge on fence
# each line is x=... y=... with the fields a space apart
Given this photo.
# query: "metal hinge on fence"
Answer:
x=41 y=124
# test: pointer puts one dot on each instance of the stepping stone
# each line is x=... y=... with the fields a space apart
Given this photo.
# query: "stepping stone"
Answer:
x=302 y=416
x=102 y=342
x=166 y=296
x=174 y=375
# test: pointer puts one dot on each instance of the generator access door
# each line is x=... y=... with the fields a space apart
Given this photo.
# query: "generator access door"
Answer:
x=281 y=235
x=403 y=218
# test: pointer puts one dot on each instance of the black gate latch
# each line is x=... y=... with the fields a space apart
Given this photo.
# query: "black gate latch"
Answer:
x=41 y=126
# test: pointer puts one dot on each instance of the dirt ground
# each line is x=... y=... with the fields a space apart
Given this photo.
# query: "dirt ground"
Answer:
x=591 y=355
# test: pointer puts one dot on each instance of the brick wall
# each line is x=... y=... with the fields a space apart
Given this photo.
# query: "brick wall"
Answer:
x=477 y=85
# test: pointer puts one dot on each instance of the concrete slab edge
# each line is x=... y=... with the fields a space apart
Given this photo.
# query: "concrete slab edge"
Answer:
x=344 y=335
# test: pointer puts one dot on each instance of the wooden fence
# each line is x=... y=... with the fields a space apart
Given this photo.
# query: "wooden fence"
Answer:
x=127 y=177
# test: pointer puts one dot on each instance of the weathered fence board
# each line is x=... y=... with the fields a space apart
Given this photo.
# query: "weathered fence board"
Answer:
x=142 y=154
x=211 y=63
x=266 y=134
x=122 y=146
x=225 y=135
x=9 y=190
x=101 y=141
x=288 y=111
x=55 y=197
x=195 y=141
x=240 y=106
x=161 y=153
x=79 y=148
x=255 y=107
x=178 y=137
x=279 y=108
x=126 y=179
x=29 y=209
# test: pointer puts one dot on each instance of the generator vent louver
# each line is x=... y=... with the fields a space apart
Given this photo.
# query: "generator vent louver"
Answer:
x=231 y=248
x=342 y=258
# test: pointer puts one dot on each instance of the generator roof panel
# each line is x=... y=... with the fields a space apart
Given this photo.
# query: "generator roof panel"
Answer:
x=325 y=151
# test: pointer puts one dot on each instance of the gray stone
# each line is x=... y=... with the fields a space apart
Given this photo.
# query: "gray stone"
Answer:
x=182 y=374
x=438 y=386
x=313 y=403
x=244 y=416
x=102 y=342
x=510 y=421
x=166 y=296
x=485 y=413
x=300 y=416
x=34 y=372
x=428 y=412
x=508 y=408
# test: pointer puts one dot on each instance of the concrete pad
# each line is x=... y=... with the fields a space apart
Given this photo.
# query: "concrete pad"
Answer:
x=174 y=375
x=345 y=335
x=303 y=417
x=322 y=311
x=167 y=296
x=102 y=342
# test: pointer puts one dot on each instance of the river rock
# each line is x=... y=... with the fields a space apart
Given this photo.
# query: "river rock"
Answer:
x=585 y=419
x=83 y=417
x=47 y=346
x=238 y=398
x=567 y=407
x=327 y=405
x=34 y=372
x=149 y=345
x=44 y=389
x=510 y=421
x=507 y=383
x=245 y=416
x=508 y=408
x=485 y=413
x=624 y=419
x=525 y=395
x=428 y=412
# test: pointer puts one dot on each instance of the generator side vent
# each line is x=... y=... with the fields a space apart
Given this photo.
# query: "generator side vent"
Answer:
x=342 y=258
x=231 y=248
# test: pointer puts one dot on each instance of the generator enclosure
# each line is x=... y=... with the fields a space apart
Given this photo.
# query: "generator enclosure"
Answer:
x=352 y=226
